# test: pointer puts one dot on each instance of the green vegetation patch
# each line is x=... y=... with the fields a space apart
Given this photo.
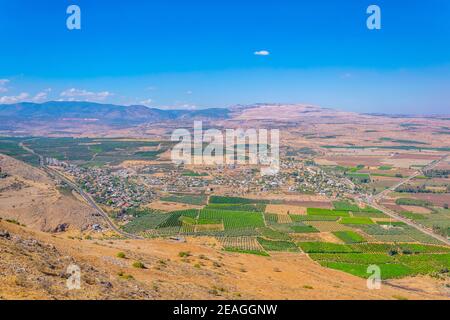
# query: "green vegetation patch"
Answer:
x=412 y=215
x=373 y=214
x=235 y=200
x=234 y=219
x=188 y=199
x=277 y=245
x=426 y=263
x=388 y=271
x=11 y=147
x=270 y=233
x=145 y=222
x=358 y=258
x=393 y=223
x=345 y=206
x=300 y=218
x=324 y=247
x=415 y=248
x=187 y=220
x=271 y=218
x=209 y=221
x=385 y=248
x=349 y=236
x=356 y=220
x=139 y=212
x=304 y=229
x=399 y=262
x=327 y=212
x=85 y=150
x=367 y=211
x=255 y=207
x=413 y=202
x=359 y=177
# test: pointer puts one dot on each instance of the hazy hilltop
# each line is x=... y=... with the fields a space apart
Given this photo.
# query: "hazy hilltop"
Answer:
x=48 y=112
x=77 y=119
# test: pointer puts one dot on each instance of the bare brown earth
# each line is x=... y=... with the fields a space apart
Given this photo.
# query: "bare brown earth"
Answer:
x=30 y=197
x=34 y=266
x=285 y=209
x=416 y=209
x=320 y=236
x=171 y=206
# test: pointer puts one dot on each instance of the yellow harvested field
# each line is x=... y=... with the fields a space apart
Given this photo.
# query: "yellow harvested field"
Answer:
x=209 y=227
x=285 y=209
x=442 y=189
x=328 y=226
x=313 y=237
x=170 y=206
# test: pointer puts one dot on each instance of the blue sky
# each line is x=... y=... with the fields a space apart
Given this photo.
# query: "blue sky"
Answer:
x=195 y=54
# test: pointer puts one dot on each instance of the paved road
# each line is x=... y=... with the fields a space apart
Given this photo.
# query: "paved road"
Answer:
x=92 y=203
x=83 y=194
x=433 y=164
x=394 y=215
x=373 y=201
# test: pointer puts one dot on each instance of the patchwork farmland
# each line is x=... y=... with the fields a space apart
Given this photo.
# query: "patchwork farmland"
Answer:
x=362 y=235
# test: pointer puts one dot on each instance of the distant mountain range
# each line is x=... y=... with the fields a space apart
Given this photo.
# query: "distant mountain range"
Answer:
x=101 y=113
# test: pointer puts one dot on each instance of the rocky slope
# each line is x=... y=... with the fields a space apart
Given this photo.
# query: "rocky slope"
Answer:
x=29 y=196
x=34 y=265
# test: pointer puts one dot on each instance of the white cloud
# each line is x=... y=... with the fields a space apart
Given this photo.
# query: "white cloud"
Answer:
x=262 y=53
x=189 y=92
x=41 y=96
x=3 y=83
x=81 y=94
x=183 y=106
x=14 y=99
x=147 y=102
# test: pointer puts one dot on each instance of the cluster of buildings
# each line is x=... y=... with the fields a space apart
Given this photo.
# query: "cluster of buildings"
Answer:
x=313 y=179
x=119 y=189
x=125 y=188
x=172 y=180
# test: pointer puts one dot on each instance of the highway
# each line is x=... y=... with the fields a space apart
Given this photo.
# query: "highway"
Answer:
x=373 y=201
x=84 y=195
x=92 y=203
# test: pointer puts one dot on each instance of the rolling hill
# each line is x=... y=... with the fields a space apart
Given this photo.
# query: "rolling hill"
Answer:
x=108 y=114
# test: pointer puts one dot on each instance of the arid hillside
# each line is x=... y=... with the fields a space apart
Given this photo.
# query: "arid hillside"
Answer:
x=30 y=197
x=34 y=266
